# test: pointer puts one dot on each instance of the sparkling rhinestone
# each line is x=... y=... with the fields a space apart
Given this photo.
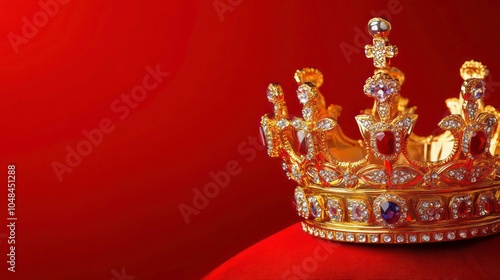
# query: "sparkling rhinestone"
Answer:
x=303 y=94
x=334 y=210
x=450 y=235
x=400 y=238
x=425 y=237
x=322 y=233
x=463 y=233
x=330 y=235
x=284 y=166
x=484 y=230
x=316 y=210
x=310 y=230
x=387 y=238
x=474 y=231
x=307 y=113
x=316 y=232
x=377 y=176
x=301 y=203
x=349 y=237
x=361 y=237
x=313 y=173
x=373 y=238
x=478 y=142
x=412 y=238
x=494 y=229
x=438 y=236
x=386 y=144
x=296 y=173
x=390 y=211
x=328 y=175
x=282 y=123
x=304 y=227
x=339 y=236
x=325 y=124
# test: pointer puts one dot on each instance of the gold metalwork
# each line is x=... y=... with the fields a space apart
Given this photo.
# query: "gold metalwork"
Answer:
x=390 y=163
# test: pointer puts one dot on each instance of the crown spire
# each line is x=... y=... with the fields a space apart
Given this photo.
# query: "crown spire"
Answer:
x=381 y=50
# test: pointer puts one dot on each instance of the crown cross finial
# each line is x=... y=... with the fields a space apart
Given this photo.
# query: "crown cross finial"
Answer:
x=380 y=51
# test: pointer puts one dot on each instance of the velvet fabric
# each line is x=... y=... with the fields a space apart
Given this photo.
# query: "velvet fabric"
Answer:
x=294 y=254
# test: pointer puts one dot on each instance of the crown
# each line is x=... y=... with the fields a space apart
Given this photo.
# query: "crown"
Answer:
x=392 y=186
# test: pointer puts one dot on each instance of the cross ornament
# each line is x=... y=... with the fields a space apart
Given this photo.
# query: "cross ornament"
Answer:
x=380 y=52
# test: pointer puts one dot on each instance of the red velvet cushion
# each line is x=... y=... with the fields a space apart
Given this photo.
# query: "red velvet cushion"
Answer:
x=293 y=254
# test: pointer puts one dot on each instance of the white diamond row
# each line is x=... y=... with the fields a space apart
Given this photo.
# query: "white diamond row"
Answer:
x=402 y=238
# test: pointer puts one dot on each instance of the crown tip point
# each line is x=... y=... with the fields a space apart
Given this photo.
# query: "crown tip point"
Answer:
x=473 y=69
x=379 y=27
x=311 y=75
x=274 y=92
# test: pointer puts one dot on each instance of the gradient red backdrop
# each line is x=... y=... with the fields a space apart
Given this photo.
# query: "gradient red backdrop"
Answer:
x=176 y=90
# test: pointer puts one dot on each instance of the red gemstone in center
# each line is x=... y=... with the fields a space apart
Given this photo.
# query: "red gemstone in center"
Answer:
x=489 y=206
x=301 y=142
x=462 y=209
x=478 y=142
x=333 y=211
x=386 y=142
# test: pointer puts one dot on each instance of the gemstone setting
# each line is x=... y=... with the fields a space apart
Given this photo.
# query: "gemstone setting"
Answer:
x=315 y=206
x=334 y=209
x=390 y=210
x=386 y=142
x=301 y=203
x=478 y=142
x=486 y=204
x=381 y=87
x=430 y=210
x=461 y=207
x=357 y=210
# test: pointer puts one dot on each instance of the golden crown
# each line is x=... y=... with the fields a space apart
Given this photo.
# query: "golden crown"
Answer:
x=392 y=186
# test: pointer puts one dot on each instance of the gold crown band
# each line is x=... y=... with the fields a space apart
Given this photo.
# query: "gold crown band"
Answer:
x=392 y=186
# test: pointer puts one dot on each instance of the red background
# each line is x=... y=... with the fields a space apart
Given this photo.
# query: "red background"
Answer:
x=119 y=207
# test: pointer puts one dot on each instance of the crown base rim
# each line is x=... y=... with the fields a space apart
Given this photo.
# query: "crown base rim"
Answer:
x=485 y=227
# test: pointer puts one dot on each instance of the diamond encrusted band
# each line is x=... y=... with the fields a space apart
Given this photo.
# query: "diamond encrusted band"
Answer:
x=450 y=234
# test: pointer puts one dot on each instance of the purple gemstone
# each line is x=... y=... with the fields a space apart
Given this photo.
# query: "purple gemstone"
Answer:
x=316 y=211
x=390 y=211
x=478 y=90
x=380 y=91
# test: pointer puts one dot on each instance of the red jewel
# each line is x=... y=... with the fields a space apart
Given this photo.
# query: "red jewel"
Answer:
x=463 y=210
x=301 y=142
x=489 y=206
x=262 y=137
x=333 y=210
x=385 y=142
x=478 y=142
